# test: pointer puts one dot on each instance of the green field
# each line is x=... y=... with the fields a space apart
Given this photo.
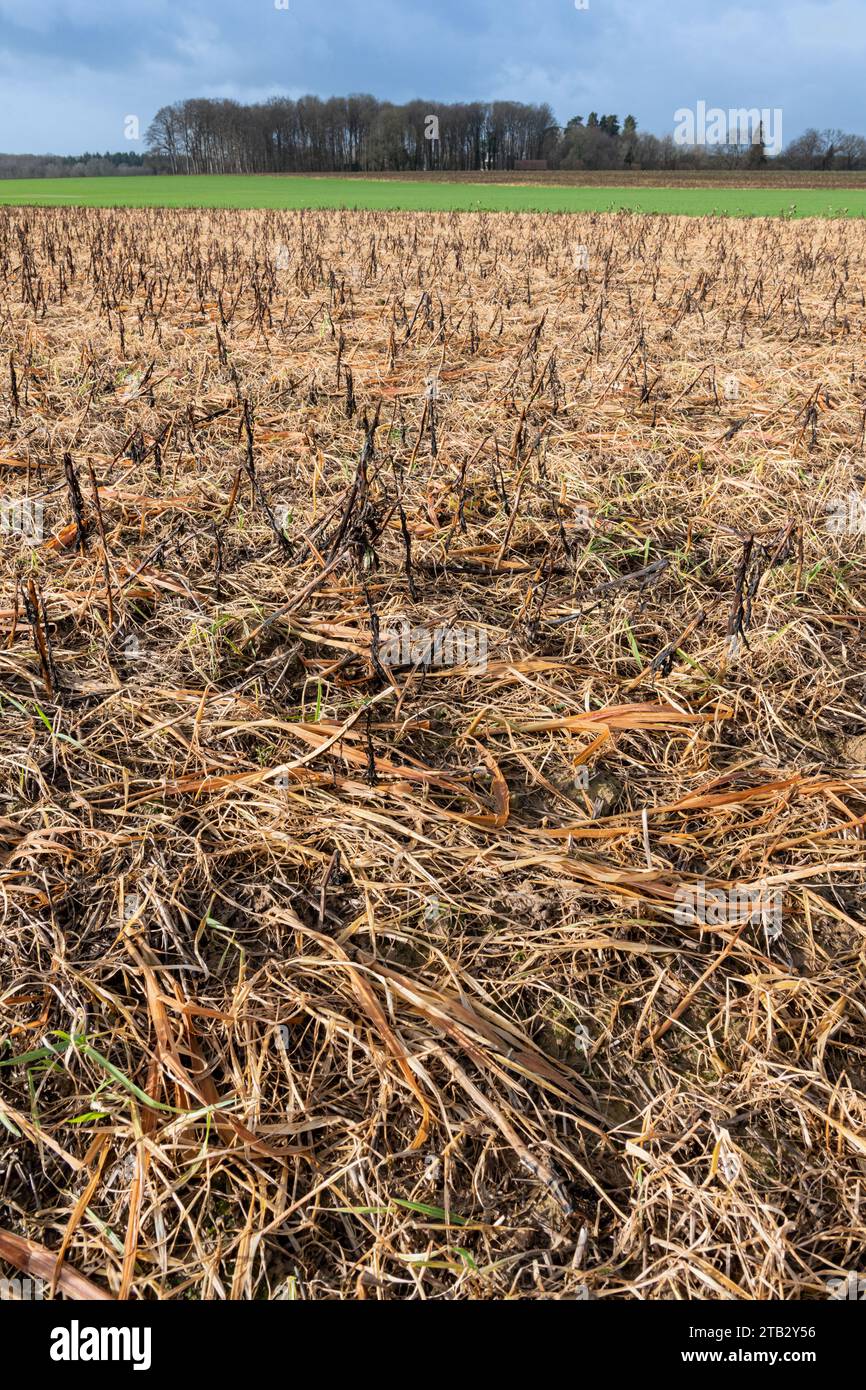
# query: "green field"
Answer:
x=261 y=191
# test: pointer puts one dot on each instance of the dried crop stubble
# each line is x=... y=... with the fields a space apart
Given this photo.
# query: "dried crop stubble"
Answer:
x=323 y=977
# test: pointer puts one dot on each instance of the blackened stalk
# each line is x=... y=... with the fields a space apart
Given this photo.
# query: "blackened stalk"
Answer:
x=250 y=467
x=76 y=502
x=34 y=607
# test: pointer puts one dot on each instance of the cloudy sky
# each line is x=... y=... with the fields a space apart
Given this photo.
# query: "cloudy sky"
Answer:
x=71 y=71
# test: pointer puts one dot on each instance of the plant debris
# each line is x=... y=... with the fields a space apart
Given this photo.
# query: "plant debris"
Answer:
x=415 y=622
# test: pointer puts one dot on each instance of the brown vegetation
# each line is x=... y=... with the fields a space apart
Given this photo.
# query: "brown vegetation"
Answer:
x=629 y=178
x=321 y=977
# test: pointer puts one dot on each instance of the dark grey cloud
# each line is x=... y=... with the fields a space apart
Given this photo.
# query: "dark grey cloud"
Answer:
x=71 y=71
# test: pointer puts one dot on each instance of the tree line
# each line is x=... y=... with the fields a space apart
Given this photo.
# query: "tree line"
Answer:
x=348 y=134
x=56 y=166
x=360 y=134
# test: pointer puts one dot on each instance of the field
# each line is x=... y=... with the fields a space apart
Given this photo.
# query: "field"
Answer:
x=809 y=196
x=527 y=965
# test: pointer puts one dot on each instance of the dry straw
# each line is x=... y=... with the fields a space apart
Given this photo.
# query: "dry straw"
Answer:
x=321 y=977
